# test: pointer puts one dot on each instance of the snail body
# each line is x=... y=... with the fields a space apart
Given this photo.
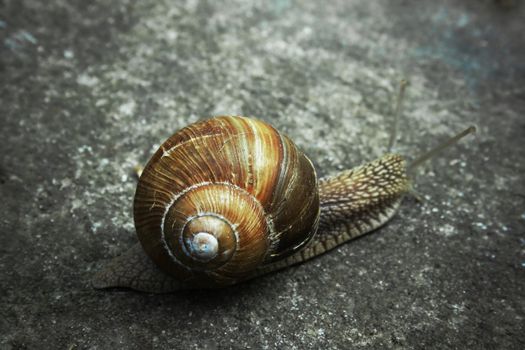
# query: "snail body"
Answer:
x=231 y=198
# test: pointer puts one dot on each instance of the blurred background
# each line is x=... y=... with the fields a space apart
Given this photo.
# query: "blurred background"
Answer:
x=89 y=89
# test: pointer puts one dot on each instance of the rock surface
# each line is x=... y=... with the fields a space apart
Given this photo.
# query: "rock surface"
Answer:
x=90 y=89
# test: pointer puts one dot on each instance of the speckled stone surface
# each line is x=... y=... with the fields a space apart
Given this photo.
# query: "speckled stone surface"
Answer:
x=90 y=89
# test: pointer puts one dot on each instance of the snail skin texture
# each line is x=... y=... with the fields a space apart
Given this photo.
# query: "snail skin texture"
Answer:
x=231 y=198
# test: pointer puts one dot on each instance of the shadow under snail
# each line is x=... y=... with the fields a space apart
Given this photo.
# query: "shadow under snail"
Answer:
x=231 y=198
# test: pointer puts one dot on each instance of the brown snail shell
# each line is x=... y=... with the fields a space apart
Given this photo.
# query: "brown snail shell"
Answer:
x=223 y=196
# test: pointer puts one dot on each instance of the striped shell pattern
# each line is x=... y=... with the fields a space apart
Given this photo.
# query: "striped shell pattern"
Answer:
x=223 y=197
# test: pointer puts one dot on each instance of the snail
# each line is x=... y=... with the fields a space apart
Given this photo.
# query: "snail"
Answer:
x=230 y=198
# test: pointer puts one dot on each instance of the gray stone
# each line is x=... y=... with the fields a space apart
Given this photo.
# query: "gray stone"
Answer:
x=90 y=89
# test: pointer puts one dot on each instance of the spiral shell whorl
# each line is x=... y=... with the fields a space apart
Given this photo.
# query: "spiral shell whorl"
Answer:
x=222 y=197
x=220 y=211
x=207 y=237
x=204 y=246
